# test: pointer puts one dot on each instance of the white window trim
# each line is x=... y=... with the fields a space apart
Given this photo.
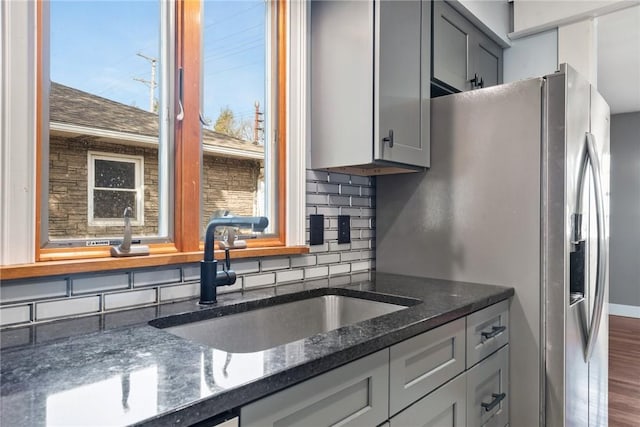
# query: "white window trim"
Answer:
x=138 y=161
x=298 y=129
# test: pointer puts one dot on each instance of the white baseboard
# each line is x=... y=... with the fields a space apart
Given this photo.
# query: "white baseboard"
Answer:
x=624 y=310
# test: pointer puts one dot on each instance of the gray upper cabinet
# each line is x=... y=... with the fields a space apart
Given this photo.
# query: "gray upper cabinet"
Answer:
x=464 y=58
x=370 y=78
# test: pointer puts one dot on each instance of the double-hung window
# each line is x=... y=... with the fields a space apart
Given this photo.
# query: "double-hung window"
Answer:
x=115 y=183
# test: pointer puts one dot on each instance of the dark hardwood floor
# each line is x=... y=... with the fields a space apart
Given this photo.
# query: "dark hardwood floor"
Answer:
x=624 y=371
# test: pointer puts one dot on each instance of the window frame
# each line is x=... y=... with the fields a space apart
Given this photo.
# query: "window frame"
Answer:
x=186 y=245
x=138 y=162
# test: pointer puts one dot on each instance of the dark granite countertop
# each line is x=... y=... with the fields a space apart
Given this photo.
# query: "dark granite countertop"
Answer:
x=132 y=373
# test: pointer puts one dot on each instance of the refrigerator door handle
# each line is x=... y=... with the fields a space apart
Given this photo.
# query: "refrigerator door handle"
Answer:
x=601 y=266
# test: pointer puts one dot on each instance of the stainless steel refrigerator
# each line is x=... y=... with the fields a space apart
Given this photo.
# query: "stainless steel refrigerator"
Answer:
x=518 y=195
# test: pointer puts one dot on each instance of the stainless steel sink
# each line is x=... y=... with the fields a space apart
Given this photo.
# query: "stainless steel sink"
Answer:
x=268 y=327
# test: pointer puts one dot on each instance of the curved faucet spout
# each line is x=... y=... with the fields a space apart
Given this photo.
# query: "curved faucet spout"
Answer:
x=210 y=277
x=257 y=223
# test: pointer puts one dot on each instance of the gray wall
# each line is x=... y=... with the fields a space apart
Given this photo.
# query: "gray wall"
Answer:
x=625 y=209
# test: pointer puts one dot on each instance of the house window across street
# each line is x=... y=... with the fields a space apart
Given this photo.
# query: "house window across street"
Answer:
x=115 y=183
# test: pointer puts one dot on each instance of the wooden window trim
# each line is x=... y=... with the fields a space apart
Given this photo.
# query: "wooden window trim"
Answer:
x=187 y=246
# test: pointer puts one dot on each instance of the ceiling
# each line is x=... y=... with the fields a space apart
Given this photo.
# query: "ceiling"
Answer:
x=619 y=59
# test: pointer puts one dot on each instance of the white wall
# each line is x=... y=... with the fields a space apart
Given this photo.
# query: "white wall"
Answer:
x=532 y=56
x=534 y=14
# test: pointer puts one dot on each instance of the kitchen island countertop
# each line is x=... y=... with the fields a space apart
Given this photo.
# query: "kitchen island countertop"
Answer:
x=130 y=373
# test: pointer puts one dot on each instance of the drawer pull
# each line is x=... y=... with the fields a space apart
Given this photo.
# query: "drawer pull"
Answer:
x=496 y=330
x=497 y=398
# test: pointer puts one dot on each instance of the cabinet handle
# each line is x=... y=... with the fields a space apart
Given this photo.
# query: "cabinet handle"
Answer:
x=496 y=330
x=474 y=81
x=389 y=139
x=497 y=398
x=481 y=84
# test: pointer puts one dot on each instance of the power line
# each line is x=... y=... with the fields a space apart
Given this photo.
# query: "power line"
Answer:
x=151 y=83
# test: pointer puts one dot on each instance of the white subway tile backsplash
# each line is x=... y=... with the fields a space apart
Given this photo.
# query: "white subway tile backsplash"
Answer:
x=317 y=199
x=360 y=244
x=335 y=246
x=339 y=200
x=189 y=290
x=289 y=276
x=303 y=261
x=29 y=290
x=275 y=264
x=350 y=211
x=311 y=210
x=16 y=314
x=360 y=180
x=367 y=212
x=349 y=190
x=319 y=248
x=328 y=258
x=259 y=280
x=328 y=211
x=360 y=266
x=312 y=187
x=243 y=266
x=366 y=191
x=156 y=277
x=331 y=234
x=233 y=288
x=313 y=272
x=367 y=234
x=360 y=201
x=314 y=175
x=339 y=178
x=191 y=272
x=368 y=254
x=99 y=283
x=67 y=307
x=360 y=223
x=328 y=188
x=350 y=256
x=339 y=269
x=130 y=299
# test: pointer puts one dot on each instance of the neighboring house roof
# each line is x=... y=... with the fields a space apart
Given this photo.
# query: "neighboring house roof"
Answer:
x=73 y=112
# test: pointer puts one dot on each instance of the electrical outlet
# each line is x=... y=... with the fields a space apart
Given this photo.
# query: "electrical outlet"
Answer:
x=344 y=229
x=316 y=229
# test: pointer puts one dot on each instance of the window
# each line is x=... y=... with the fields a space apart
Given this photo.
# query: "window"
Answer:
x=239 y=86
x=115 y=183
x=131 y=91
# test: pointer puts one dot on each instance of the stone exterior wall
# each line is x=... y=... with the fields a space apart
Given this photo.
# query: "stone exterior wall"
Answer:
x=228 y=184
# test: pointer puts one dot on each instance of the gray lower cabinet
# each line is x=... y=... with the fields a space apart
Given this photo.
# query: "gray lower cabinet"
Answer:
x=464 y=58
x=445 y=407
x=356 y=394
x=488 y=391
x=487 y=331
x=422 y=363
x=370 y=80
x=418 y=382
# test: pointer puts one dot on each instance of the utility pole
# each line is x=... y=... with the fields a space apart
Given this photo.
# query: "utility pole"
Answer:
x=151 y=83
x=257 y=128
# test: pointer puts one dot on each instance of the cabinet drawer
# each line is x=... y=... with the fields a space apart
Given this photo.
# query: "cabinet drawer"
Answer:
x=444 y=407
x=355 y=394
x=422 y=363
x=488 y=391
x=487 y=331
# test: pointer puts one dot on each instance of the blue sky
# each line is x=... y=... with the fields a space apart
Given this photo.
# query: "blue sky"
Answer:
x=94 y=46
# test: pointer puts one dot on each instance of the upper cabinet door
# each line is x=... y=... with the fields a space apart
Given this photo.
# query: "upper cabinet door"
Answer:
x=451 y=34
x=486 y=56
x=402 y=35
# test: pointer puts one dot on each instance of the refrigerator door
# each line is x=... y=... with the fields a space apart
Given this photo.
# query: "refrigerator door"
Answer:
x=598 y=268
x=575 y=288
